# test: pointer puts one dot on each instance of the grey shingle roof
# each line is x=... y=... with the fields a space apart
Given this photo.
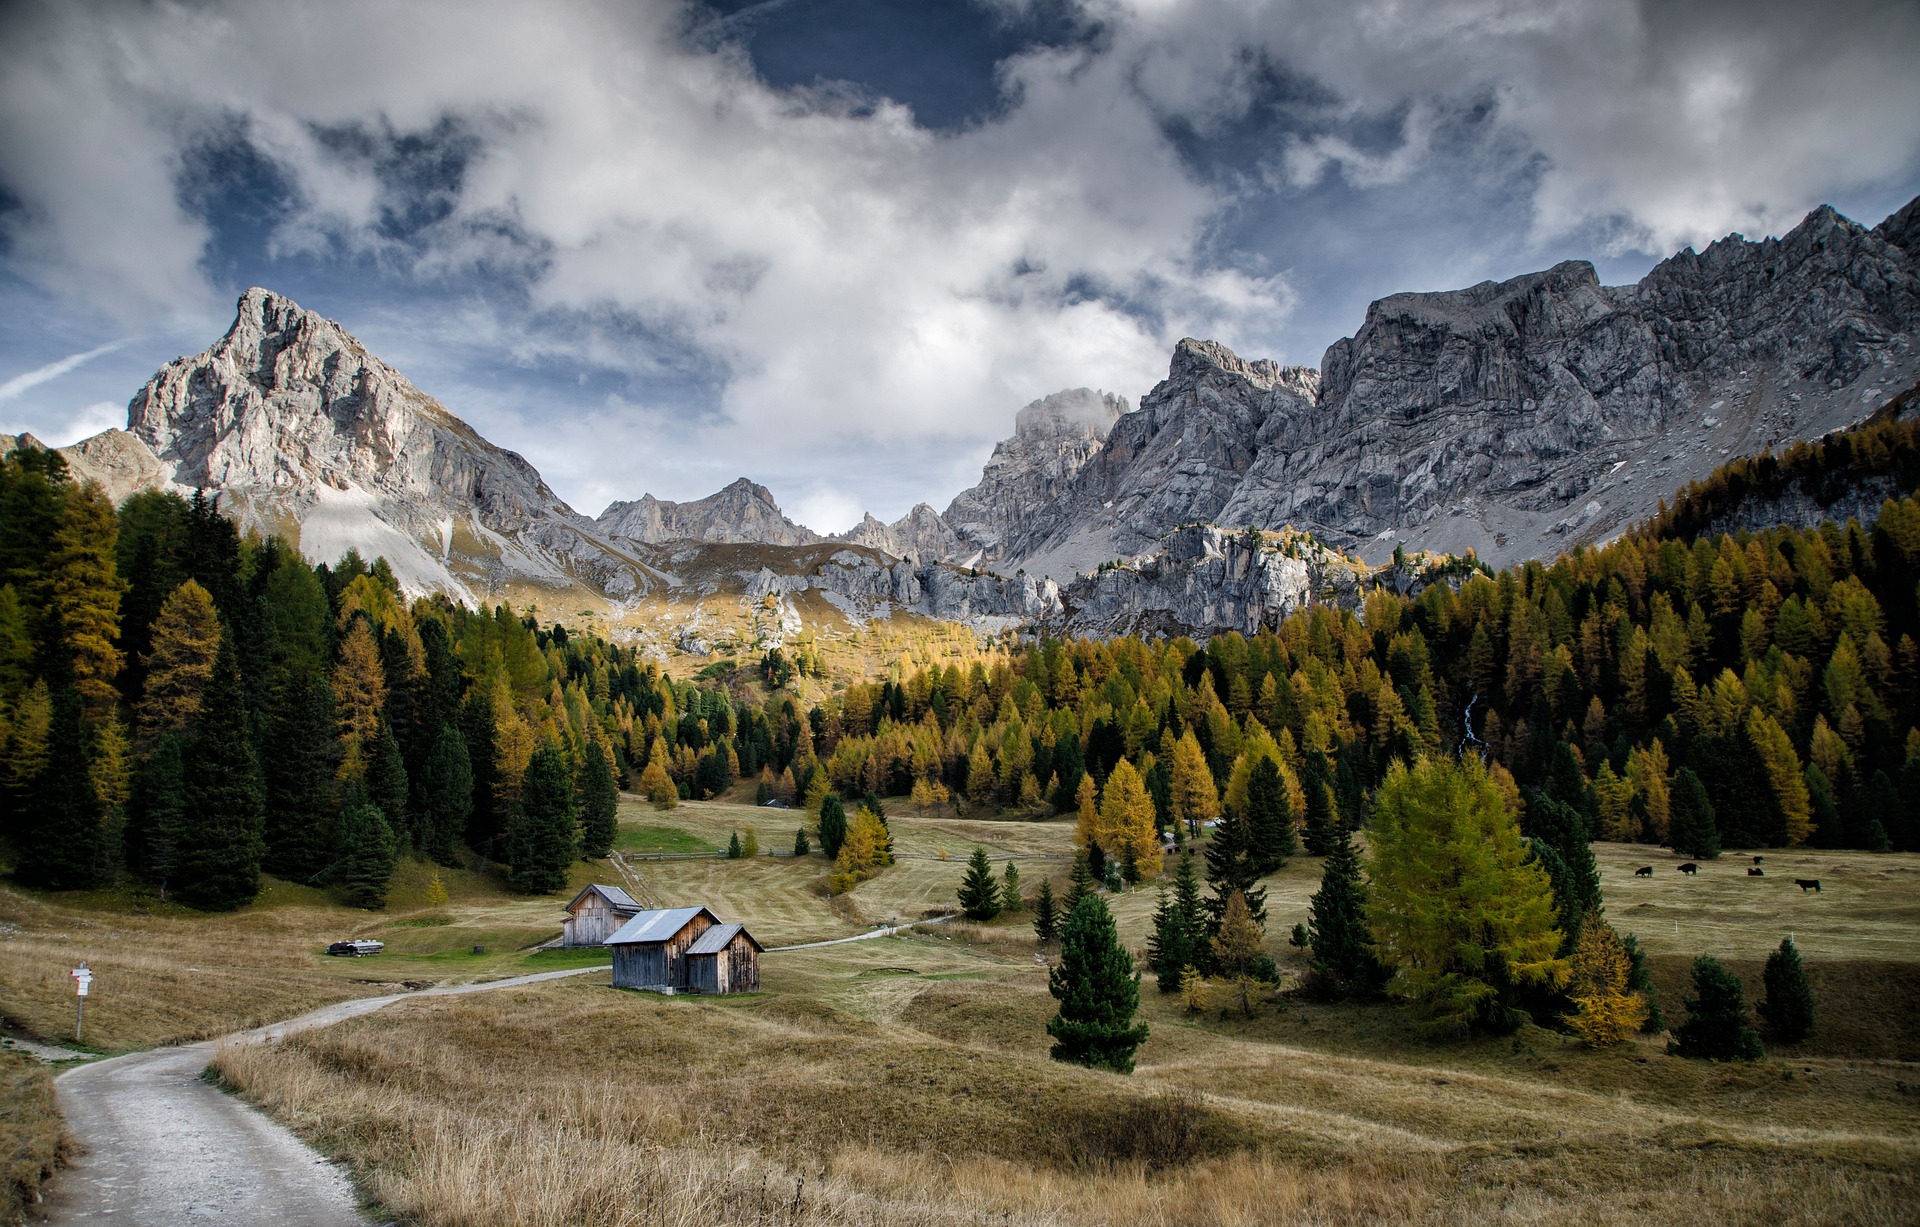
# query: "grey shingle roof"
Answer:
x=618 y=899
x=655 y=926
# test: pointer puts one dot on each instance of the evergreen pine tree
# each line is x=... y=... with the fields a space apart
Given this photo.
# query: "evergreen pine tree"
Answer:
x=1692 y=828
x=365 y=849
x=1098 y=992
x=1231 y=870
x=1045 y=914
x=541 y=844
x=599 y=801
x=444 y=794
x=64 y=845
x=1240 y=949
x=1080 y=884
x=1640 y=980
x=1717 y=1027
x=1011 y=899
x=733 y=846
x=1788 y=1005
x=387 y=783
x=800 y=846
x=1316 y=781
x=833 y=825
x=485 y=822
x=297 y=769
x=218 y=851
x=1343 y=960
x=979 y=893
x=1269 y=822
x=155 y=811
x=1170 y=946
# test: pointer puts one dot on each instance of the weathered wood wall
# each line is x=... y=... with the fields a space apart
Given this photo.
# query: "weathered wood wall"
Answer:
x=593 y=923
x=658 y=964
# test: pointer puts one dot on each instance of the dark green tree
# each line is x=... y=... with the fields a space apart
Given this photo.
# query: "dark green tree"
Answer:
x=1717 y=1027
x=444 y=794
x=1692 y=830
x=485 y=823
x=800 y=845
x=365 y=849
x=1011 y=900
x=297 y=751
x=218 y=851
x=1178 y=940
x=599 y=801
x=1788 y=1005
x=156 y=808
x=1316 y=780
x=1230 y=868
x=387 y=783
x=1080 y=884
x=733 y=846
x=64 y=846
x=1343 y=961
x=1046 y=919
x=833 y=825
x=1098 y=992
x=979 y=893
x=1640 y=980
x=1269 y=821
x=541 y=843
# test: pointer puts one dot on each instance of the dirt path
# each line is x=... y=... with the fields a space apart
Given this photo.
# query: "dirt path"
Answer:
x=883 y=931
x=162 y=1147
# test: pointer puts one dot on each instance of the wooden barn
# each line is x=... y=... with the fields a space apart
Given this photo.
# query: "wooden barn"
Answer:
x=655 y=950
x=724 y=959
x=596 y=914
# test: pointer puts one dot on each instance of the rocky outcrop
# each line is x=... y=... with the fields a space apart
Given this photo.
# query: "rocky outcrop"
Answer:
x=303 y=431
x=862 y=588
x=921 y=534
x=118 y=462
x=741 y=512
x=1017 y=501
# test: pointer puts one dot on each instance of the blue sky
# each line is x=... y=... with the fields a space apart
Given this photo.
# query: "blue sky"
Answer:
x=834 y=245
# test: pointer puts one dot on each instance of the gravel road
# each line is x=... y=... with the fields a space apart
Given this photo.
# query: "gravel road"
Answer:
x=162 y=1147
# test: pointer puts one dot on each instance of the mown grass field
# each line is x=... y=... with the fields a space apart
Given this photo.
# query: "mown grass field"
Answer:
x=906 y=1080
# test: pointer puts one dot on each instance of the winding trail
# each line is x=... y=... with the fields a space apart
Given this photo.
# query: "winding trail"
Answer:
x=163 y=1148
x=882 y=931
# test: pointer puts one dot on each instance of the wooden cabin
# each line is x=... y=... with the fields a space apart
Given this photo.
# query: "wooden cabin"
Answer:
x=685 y=949
x=724 y=959
x=596 y=914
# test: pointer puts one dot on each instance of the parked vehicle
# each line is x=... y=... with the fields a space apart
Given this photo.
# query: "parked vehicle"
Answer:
x=354 y=949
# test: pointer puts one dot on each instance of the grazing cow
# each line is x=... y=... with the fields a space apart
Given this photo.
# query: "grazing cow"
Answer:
x=1806 y=884
x=1756 y=872
x=1758 y=859
x=1645 y=871
x=1689 y=869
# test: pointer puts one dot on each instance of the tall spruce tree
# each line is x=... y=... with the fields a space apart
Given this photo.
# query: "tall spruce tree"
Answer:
x=1011 y=900
x=1098 y=992
x=1080 y=884
x=1788 y=1005
x=1231 y=869
x=541 y=842
x=485 y=823
x=64 y=845
x=1343 y=960
x=156 y=810
x=1717 y=1027
x=833 y=825
x=297 y=765
x=1316 y=782
x=1179 y=927
x=979 y=893
x=599 y=801
x=387 y=785
x=365 y=848
x=1269 y=821
x=1046 y=914
x=1640 y=980
x=444 y=794
x=1692 y=829
x=217 y=855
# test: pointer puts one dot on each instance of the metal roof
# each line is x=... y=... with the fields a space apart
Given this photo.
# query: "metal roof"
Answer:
x=714 y=940
x=619 y=899
x=655 y=926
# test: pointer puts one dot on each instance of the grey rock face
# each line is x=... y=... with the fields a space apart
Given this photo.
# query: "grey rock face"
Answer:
x=115 y=460
x=741 y=512
x=920 y=535
x=1017 y=499
x=865 y=588
x=300 y=428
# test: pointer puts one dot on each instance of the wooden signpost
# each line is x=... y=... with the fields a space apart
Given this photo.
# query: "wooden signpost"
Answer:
x=82 y=978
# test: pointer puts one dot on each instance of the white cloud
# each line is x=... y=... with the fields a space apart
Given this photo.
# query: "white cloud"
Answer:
x=53 y=370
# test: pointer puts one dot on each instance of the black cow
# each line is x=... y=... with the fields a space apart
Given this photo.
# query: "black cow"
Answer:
x=1758 y=859
x=1689 y=869
x=1756 y=872
x=1806 y=884
x=1645 y=871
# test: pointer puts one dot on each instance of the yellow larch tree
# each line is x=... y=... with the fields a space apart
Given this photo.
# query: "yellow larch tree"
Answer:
x=1195 y=800
x=1608 y=1010
x=186 y=638
x=1126 y=823
x=83 y=594
x=359 y=695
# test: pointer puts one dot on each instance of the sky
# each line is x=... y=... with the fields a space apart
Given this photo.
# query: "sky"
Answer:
x=834 y=245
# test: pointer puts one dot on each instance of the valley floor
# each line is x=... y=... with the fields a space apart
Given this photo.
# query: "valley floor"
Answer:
x=906 y=1079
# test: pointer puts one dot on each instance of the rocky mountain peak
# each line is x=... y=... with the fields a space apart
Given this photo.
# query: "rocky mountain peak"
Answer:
x=741 y=511
x=1077 y=412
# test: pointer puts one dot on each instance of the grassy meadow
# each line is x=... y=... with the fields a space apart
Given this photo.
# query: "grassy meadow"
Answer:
x=905 y=1080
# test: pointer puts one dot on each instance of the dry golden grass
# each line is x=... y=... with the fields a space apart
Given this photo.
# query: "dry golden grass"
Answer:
x=906 y=1081
x=31 y=1141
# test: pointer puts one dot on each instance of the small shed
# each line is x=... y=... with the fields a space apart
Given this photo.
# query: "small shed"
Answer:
x=596 y=914
x=724 y=959
x=650 y=950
